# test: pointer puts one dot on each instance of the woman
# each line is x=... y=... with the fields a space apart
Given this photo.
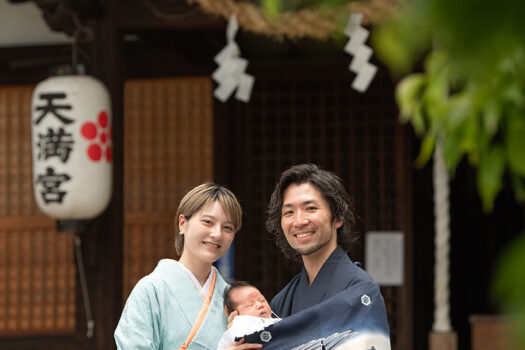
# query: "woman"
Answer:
x=180 y=304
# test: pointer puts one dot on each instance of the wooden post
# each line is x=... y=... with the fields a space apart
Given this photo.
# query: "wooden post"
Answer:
x=489 y=332
x=443 y=341
x=103 y=247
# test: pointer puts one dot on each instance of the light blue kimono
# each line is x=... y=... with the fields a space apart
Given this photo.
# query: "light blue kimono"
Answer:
x=161 y=310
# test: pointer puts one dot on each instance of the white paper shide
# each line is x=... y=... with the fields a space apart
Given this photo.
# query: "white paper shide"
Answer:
x=365 y=71
x=230 y=74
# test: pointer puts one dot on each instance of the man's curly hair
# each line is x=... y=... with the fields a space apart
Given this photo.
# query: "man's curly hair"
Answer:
x=331 y=188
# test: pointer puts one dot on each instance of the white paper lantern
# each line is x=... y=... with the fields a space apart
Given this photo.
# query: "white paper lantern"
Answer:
x=72 y=147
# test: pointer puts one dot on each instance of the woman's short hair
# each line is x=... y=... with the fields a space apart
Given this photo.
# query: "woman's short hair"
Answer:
x=331 y=188
x=198 y=198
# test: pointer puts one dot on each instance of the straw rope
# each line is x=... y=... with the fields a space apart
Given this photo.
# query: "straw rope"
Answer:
x=297 y=24
x=442 y=243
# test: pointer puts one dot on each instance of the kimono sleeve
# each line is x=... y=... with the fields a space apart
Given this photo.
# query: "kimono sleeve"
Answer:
x=228 y=339
x=138 y=328
x=354 y=319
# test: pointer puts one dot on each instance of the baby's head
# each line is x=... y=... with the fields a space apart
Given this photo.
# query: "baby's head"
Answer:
x=246 y=300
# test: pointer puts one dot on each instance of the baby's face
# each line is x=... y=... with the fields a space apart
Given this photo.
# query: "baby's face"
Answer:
x=249 y=301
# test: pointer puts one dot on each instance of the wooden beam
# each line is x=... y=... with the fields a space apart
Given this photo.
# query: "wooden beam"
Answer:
x=65 y=15
x=163 y=15
x=30 y=64
x=37 y=342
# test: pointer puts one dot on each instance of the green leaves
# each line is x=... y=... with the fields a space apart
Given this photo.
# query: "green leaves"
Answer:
x=408 y=95
x=272 y=8
x=426 y=151
x=515 y=137
x=491 y=116
x=482 y=118
x=401 y=41
x=490 y=173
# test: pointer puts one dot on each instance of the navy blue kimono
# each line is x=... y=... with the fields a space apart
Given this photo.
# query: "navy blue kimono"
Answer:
x=342 y=309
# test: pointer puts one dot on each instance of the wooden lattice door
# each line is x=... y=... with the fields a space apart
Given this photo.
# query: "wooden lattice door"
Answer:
x=37 y=266
x=168 y=150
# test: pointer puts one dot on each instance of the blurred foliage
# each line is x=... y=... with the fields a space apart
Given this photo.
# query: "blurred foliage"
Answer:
x=470 y=96
x=484 y=120
x=276 y=7
x=471 y=92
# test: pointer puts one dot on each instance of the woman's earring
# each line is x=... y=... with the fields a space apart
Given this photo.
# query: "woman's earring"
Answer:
x=180 y=233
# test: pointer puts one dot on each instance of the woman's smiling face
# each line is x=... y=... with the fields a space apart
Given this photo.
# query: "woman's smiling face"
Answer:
x=208 y=234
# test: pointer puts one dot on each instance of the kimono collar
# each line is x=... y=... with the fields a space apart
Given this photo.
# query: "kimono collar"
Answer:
x=202 y=289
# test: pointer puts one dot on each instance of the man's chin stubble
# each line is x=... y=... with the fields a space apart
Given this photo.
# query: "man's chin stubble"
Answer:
x=310 y=250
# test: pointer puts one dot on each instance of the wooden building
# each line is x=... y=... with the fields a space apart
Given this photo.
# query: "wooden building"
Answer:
x=170 y=134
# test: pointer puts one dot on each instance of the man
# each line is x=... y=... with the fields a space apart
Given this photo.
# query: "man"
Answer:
x=312 y=218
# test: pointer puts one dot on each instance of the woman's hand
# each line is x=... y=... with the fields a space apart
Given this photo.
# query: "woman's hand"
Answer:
x=231 y=317
x=240 y=345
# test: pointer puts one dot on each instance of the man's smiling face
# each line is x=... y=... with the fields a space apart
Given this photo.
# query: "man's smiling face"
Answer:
x=307 y=222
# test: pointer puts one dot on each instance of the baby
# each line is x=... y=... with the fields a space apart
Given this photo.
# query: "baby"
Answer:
x=254 y=312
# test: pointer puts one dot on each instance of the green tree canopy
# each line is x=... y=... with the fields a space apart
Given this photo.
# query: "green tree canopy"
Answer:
x=470 y=94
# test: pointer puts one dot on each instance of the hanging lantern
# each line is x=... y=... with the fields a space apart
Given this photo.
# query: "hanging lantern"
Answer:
x=72 y=147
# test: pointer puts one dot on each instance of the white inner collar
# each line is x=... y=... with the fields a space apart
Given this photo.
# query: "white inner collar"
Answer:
x=202 y=289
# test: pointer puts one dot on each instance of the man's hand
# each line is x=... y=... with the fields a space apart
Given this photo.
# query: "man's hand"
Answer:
x=230 y=319
x=240 y=345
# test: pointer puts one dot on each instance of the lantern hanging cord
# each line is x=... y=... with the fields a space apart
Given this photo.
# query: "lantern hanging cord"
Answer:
x=74 y=51
x=81 y=33
x=83 y=286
